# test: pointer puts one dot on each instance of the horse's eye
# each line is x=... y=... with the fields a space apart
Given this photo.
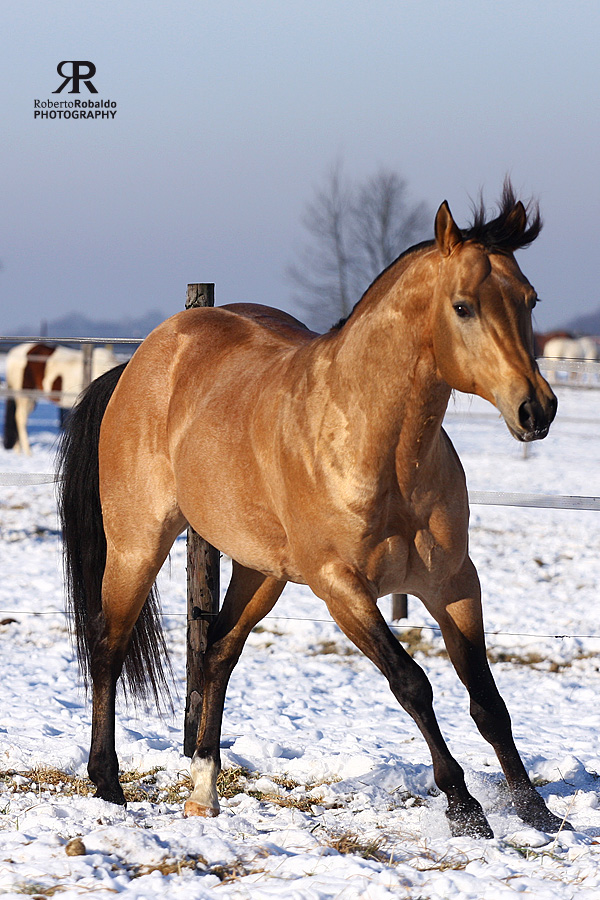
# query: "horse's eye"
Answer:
x=463 y=310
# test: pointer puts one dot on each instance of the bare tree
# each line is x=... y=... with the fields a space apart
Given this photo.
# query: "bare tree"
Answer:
x=355 y=231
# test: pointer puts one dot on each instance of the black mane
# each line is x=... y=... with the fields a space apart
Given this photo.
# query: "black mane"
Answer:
x=504 y=234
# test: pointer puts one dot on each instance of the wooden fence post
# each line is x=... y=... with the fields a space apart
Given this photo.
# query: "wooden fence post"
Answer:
x=399 y=607
x=203 y=588
x=88 y=350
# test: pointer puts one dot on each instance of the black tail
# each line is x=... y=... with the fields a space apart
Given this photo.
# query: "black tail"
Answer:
x=84 y=546
x=10 y=424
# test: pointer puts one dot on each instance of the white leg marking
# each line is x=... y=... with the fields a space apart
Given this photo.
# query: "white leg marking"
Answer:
x=204 y=800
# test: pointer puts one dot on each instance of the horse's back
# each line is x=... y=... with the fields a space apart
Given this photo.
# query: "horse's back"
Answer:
x=231 y=339
x=241 y=325
x=201 y=361
x=274 y=319
x=214 y=365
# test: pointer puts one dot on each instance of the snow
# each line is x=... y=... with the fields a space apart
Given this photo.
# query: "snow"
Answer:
x=338 y=800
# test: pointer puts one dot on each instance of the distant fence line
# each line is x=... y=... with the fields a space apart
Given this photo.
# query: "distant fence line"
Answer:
x=584 y=373
x=553 y=366
x=393 y=626
x=532 y=501
x=8 y=339
x=591 y=366
x=476 y=498
x=551 y=363
x=36 y=394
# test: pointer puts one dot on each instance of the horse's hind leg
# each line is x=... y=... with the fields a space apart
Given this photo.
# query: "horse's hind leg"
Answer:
x=462 y=627
x=249 y=598
x=128 y=578
x=24 y=408
x=106 y=663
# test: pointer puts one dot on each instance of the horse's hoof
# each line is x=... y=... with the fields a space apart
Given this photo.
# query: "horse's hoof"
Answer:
x=544 y=820
x=469 y=821
x=112 y=796
x=192 y=808
x=474 y=829
x=534 y=812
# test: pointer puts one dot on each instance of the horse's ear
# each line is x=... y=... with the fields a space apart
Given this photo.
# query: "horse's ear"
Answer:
x=447 y=233
x=517 y=218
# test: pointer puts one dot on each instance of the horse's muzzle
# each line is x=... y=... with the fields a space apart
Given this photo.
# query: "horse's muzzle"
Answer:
x=535 y=419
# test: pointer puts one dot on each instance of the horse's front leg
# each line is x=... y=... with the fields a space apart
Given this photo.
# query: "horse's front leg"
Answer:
x=460 y=618
x=250 y=596
x=355 y=610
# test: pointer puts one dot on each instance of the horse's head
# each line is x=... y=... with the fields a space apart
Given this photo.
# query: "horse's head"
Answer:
x=483 y=337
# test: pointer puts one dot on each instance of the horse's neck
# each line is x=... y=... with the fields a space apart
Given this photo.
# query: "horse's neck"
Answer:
x=384 y=364
x=373 y=389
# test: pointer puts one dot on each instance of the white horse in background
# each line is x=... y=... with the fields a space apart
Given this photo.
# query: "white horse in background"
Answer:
x=572 y=348
x=563 y=348
x=55 y=369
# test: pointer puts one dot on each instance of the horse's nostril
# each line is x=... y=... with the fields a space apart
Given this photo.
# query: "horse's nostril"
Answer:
x=527 y=415
x=534 y=418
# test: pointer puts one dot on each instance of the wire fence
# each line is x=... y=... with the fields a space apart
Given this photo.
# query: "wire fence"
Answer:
x=395 y=627
x=5 y=339
x=478 y=498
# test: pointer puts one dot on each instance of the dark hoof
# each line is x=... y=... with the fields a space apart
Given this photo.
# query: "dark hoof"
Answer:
x=112 y=795
x=536 y=814
x=469 y=822
x=544 y=820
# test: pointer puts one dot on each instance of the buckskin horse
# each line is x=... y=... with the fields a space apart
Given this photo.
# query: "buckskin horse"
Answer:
x=316 y=459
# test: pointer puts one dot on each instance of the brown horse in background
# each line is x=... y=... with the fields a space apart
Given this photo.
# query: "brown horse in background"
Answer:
x=49 y=368
x=314 y=459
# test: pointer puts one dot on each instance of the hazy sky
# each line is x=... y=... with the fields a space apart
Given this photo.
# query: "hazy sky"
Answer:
x=230 y=113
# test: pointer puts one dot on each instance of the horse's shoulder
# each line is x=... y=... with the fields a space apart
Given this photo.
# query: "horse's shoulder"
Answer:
x=451 y=463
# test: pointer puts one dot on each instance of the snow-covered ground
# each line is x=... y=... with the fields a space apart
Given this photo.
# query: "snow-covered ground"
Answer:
x=329 y=790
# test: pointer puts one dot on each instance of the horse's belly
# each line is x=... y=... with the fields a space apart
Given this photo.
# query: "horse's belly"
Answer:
x=249 y=534
x=264 y=553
